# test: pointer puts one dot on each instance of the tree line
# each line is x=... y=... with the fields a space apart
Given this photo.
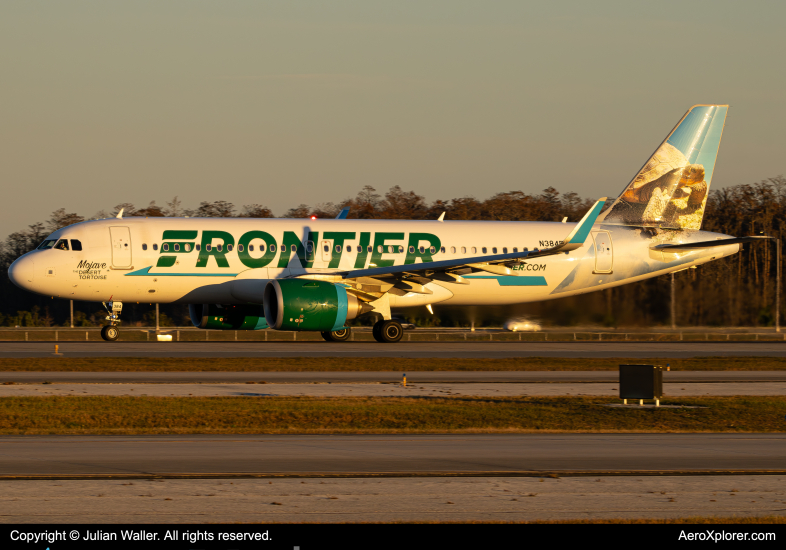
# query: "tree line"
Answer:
x=734 y=291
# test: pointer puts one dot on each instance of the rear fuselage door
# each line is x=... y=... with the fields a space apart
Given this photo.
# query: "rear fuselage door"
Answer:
x=604 y=253
x=121 y=246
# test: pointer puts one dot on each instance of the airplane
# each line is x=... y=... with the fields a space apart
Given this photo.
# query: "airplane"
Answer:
x=317 y=274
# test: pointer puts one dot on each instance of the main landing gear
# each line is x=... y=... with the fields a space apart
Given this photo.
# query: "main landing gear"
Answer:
x=341 y=335
x=389 y=331
x=111 y=332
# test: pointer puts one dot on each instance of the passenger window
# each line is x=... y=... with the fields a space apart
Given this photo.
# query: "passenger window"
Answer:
x=380 y=249
x=463 y=249
x=240 y=248
x=187 y=247
x=229 y=248
x=293 y=248
x=401 y=249
x=433 y=250
x=442 y=250
x=219 y=247
x=62 y=244
x=272 y=248
x=494 y=250
x=198 y=247
x=452 y=249
x=369 y=248
x=338 y=249
x=327 y=248
x=144 y=247
x=155 y=247
x=76 y=245
x=177 y=248
x=165 y=247
x=422 y=249
x=208 y=247
x=349 y=248
x=504 y=249
x=251 y=248
x=525 y=249
x=485 y=250
x=474 y=250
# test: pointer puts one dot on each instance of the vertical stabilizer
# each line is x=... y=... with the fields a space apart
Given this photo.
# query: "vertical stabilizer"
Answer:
x=671 y=189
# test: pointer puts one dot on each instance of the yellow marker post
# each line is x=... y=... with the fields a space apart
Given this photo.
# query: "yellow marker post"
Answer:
x=404 y=383
x=57 y=350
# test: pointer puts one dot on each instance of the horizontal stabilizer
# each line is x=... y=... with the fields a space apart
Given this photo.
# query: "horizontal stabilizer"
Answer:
x=707 y=244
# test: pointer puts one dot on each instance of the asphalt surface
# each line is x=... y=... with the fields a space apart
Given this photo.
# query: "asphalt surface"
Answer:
x=401 y=349
x=385 y=499
x=499 y=455
x=610 y=389
x=349 y=377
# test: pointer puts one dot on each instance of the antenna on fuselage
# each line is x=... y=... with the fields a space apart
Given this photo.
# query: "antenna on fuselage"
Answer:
x=441 y=217
x=120 y=214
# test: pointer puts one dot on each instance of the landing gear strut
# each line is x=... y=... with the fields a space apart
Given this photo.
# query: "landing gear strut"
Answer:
x=111 y=332
x=387 y=331
x=341 y=335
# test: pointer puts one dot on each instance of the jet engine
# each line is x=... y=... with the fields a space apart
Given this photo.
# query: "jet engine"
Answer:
x=234 y=317
x=306 y=304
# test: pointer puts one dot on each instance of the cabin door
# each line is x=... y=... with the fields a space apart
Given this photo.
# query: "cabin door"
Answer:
x=121 y=246
x=326 y=251
x=604 y=253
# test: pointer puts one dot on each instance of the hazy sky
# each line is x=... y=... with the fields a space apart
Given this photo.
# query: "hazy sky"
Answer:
x=282 y=103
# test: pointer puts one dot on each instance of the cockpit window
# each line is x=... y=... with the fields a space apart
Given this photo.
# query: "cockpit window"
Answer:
x=76 y=245
x=49 y=243
x=62 y=244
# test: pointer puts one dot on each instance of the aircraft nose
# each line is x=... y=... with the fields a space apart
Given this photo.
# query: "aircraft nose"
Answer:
x=21 y=272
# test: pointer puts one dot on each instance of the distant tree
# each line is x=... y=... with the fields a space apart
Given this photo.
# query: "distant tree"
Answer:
x=217 y=209
x=256 y=211
x=302 y=211
x=152 y=211
x=60 y=218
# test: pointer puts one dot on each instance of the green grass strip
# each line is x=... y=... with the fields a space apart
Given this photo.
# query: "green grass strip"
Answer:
x=311 y=415
x=395 y=364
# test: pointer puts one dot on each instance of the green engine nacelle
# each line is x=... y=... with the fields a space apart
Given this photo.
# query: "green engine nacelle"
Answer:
x=218 y=317
x=306 y=304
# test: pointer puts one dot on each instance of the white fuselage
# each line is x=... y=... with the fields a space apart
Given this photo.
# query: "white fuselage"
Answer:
x=135 y=259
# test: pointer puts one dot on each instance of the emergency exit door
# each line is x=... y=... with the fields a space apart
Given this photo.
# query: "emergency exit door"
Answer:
x=604 y=252
x=121 y=246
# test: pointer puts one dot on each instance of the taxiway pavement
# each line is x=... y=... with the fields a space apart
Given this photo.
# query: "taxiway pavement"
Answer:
x=382 y=390
x=401 y=349
x=352 y=455
x=389 y=499
x=355 y=377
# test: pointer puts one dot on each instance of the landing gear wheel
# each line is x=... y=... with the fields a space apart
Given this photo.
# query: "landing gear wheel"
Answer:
x=337 y=335
x=110 y=333
x=388 y=331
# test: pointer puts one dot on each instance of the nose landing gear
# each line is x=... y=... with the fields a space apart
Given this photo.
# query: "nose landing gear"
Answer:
x=111 y=332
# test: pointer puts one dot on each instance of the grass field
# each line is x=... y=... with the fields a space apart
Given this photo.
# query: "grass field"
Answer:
x=309 y=415
x=396 y=364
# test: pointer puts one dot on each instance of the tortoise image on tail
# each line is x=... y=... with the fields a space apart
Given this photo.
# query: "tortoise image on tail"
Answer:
x=665 y=177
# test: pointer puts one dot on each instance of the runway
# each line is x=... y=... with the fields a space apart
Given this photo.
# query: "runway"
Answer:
x=412 y=390
x=401 y=349
x=378 y=377
x=309 y=455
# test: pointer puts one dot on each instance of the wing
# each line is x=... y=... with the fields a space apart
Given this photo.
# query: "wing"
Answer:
x=412 y=277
